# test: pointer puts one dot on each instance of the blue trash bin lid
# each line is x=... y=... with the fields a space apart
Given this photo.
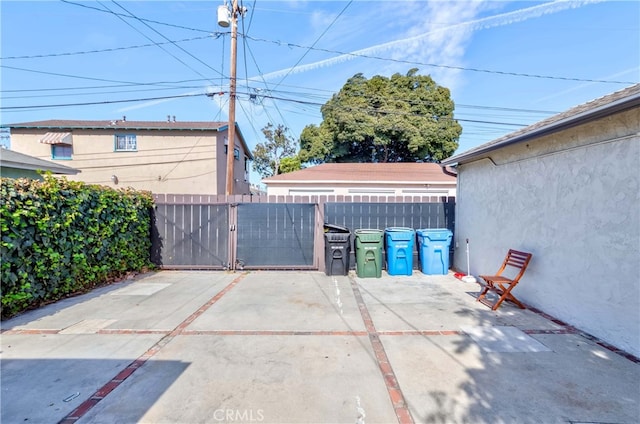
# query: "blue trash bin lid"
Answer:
x=400 y=233
x=435 y=233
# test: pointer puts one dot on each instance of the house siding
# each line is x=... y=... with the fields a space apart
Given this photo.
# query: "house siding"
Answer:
x=368 y=189
x=365 y=179
x=188 y=162
x=573 y=200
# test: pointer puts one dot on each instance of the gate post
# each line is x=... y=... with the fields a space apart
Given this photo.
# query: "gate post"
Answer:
x=233 y=236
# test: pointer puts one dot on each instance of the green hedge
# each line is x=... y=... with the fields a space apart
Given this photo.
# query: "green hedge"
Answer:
x=63 y=237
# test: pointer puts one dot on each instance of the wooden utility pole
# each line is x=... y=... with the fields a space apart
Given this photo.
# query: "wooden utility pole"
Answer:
x=231 y=139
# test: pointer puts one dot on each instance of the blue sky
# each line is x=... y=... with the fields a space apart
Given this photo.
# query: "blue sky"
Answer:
x=507 y=63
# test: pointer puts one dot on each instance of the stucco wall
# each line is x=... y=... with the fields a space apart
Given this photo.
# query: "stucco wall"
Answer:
x=183 y=162
x=573 y=200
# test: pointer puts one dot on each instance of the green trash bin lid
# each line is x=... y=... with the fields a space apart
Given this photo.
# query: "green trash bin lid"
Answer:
x=365 y=235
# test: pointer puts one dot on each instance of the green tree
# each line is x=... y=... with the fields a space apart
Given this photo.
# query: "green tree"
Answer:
x=289 y=164
x=278 y=150
x=399 y=119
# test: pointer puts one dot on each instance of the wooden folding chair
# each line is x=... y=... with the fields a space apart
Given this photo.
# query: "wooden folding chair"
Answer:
x=501 y=285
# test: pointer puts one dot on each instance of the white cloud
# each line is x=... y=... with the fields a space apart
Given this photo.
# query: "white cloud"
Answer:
x=439 y=34
x=453 y=36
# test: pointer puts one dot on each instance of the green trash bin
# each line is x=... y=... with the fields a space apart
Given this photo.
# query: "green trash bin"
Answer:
x=369 y=245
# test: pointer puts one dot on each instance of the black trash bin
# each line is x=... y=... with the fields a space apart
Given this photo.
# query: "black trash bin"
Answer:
x=337 y=249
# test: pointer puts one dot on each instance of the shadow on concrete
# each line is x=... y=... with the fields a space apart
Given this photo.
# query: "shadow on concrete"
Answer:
x=576 y=381
x=48 y=390
x=60 y=305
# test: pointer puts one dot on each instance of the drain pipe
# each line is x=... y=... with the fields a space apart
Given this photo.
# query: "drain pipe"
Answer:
x=449 y=172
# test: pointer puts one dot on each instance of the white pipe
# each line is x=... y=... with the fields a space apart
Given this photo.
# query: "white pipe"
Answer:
x=468 y=278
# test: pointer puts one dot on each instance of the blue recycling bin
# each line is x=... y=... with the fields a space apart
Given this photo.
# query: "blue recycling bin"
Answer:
x=433 y=250
x=399 y=243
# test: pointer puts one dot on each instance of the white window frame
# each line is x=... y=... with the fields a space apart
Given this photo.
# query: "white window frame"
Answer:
x=130 y=143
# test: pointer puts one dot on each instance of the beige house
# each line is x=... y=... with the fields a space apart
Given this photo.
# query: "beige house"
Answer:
x=566 y=189
x=158 y=156
x=365 y=179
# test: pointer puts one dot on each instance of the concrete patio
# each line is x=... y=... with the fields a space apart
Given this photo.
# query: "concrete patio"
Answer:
x=304 y=347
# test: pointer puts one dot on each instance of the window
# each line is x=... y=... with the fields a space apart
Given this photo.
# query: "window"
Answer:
x=126 y=143
x=61 y=151
x=236 y=152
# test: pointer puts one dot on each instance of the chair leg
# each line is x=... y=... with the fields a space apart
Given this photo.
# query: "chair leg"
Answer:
x=483 y=293
x=506 y=295
x=482 y=297
x=498 y=302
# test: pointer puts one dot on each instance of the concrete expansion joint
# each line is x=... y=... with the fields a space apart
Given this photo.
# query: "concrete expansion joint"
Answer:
x=102 y=392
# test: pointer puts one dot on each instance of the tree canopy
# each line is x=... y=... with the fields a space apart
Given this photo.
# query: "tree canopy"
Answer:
x=277 y=154
x=399 y=119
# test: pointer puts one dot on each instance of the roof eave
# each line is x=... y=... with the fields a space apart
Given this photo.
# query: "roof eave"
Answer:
x=108 y=127
x=359 y=182
x=603 y=111
x=123 y=126
x=28 y=167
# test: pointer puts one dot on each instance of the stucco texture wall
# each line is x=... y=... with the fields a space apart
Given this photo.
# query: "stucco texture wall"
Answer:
x=181 y=162
x=573 y=200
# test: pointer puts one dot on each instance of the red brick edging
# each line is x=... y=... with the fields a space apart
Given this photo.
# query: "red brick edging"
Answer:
x=395 y=393
x=93 y=400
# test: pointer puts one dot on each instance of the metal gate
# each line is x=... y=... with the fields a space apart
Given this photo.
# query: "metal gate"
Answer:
x=275 y=236
x=193 y=235
x=256 y=232
x=235 y=236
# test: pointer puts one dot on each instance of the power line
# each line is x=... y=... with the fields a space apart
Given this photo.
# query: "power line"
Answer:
x=249 y=88
x=161 y=83
x=124 y=84
x=69 y=76
x=127 y=16
x=101 y=92
x=526 y=75
x=183 y=158
x=219 y=34
x=394 y=112
x=162 y=35
x=314 y=43
x=304 y=102
x=433 y=65
x=248 y=48
x=104 y=102
x=114 y=49
x=127 y=165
